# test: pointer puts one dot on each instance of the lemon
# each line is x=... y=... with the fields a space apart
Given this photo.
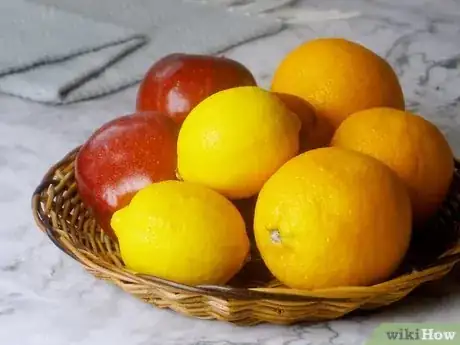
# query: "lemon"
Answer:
x=234 y=140
x=332 y=217
x=182 y=232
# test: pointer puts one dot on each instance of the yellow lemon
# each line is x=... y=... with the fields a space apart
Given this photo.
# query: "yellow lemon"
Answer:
x=182 y=232
x=234 y=140
x=411 y=146
x=332 y=217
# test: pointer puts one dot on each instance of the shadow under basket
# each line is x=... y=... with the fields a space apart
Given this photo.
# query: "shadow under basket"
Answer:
x=253 y=296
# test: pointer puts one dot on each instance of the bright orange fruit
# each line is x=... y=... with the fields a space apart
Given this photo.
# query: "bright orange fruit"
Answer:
x=338 y=77
x=410 y=145
x=332 y=217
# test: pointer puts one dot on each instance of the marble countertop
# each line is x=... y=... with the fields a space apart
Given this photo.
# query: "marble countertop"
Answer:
x=47 y=298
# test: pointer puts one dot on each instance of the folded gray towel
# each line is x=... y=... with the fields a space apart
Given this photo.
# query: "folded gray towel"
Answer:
x=61 y=51
x=46 y=52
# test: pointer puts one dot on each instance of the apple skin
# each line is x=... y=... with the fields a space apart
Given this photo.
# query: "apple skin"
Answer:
x=121 y=157
x=175 y=84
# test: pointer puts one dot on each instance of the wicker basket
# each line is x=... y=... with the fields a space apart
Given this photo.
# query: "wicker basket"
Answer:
x=253 y=296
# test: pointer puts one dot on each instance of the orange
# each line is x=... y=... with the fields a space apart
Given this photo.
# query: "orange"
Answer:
x=332 y=217
x=410 y=145
x=314 y=133
x=320 y=134
x=182 y=232
x=338 y=77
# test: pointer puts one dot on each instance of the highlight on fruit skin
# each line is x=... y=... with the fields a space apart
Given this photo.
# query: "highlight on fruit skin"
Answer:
x=414 y=148
x=182 y=232
x=234 y=140
x=332 y=217
x=338 y=77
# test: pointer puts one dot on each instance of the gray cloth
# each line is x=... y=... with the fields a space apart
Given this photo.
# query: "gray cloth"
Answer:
x=61 y=51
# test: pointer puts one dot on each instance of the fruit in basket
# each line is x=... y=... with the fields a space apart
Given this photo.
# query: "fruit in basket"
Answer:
x=182 y=232
x=176 y=83
x=315 y=131
x=121 y=157
x=410 y=145
x=338 y=77
x=306 y=113
x=332 y=217
x=235 y=140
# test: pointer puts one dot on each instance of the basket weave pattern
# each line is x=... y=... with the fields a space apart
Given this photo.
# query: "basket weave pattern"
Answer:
x=253 y=296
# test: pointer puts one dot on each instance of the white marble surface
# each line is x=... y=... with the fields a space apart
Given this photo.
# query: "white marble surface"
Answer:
x=46 y=298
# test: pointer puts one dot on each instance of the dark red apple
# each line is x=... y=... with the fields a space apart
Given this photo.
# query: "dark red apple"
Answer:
x=176 y=83
x=121 y=157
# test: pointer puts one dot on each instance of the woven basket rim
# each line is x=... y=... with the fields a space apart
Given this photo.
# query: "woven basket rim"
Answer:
x=447 y=259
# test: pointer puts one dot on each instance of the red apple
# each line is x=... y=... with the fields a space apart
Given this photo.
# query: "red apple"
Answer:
x=121 y=157
x=176 y=83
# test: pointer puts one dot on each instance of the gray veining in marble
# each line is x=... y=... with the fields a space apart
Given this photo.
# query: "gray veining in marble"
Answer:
x=46 y=298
